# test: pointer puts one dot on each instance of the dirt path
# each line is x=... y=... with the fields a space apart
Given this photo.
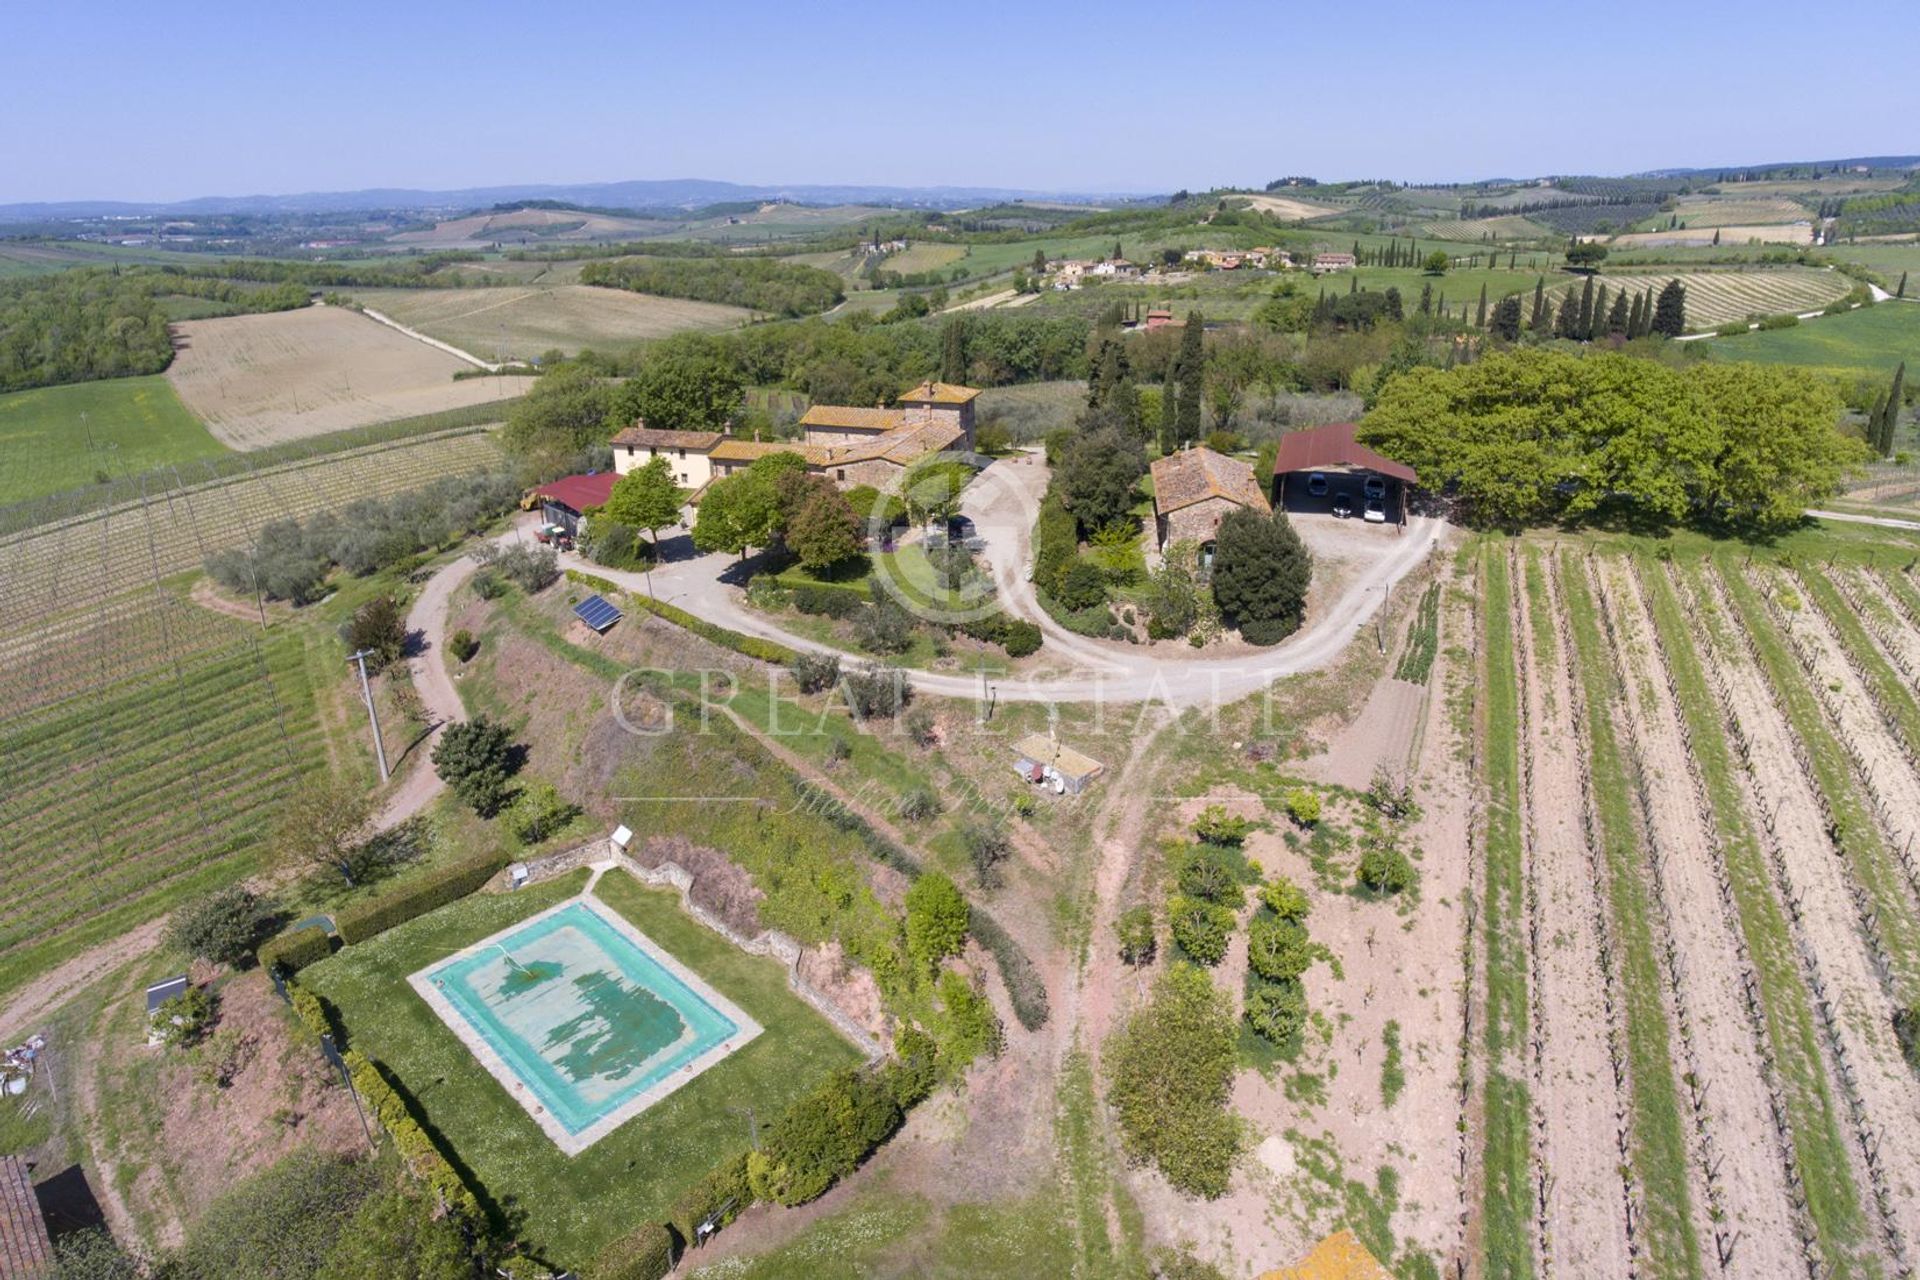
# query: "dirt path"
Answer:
x=427 y=627
x=1883 y=1096
x=1719 y=1046
x=1579 y=1106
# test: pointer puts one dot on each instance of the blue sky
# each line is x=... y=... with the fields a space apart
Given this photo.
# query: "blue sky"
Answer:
x=144 y=101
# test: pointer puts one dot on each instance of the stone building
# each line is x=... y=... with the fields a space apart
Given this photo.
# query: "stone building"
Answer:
x=1193 y=490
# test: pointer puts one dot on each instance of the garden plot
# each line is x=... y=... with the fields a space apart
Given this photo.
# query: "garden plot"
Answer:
x=1578 y=1104
x=1727 y=1080
x=264 y=379
x=1842 y=957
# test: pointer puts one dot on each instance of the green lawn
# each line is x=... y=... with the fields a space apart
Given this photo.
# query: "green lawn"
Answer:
x=574 y=1206
x=1872 y=339
x=56 y=438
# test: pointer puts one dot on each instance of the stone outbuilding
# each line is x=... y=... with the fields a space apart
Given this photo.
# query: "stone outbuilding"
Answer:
x=1194 y=489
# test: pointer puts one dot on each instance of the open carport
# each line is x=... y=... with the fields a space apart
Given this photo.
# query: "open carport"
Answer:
x=1327 y=471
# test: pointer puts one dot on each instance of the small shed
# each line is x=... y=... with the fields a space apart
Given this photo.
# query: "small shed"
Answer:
x=1041 y=759
x=1313 y=470
x=158 y=994
x=26 y=1252
x=565 y=502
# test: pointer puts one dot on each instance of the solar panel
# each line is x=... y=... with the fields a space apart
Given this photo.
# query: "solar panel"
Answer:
x=596 y=613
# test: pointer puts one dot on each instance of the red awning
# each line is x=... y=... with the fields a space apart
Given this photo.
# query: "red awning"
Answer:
x=1334 y=446
x=579 y=493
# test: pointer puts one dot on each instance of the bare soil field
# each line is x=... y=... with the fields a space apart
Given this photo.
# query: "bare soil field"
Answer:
x=522 y=322
x=265 y=379
x=1739 y=211
x=1699 y=234
x=522 y=225
x=1290 y=208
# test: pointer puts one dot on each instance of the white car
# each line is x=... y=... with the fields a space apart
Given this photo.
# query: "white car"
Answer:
x=1375 y=512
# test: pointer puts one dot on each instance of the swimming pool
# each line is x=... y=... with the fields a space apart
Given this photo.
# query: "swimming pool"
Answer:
x=582 y=1018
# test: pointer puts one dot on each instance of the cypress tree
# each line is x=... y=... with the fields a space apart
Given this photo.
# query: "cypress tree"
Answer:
x=1583 y=318
x=1646 y=314
x=1670 y=310
x=1599 y=329
x=1901 y=292
x=1891 y=416
x=1617 y=315
x=1506 y=318
x=1537 y=319
x=953 y=355
x=1169 y=414
x=1633 y=318
x=1193 y=367
x=1480 y=316
x=1877 y=426
x=1426 y=300
x=1353 y=283
x=1567 y=323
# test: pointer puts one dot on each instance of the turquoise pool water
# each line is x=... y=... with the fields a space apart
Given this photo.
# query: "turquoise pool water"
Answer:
x=580 y=1014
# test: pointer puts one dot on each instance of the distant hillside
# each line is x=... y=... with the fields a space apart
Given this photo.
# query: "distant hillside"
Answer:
x=652 y=195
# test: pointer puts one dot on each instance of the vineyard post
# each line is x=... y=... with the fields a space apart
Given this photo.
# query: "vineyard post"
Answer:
x=373 y=713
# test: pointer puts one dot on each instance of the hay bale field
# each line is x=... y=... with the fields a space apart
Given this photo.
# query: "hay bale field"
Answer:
x=521 y=322
x=261 y=380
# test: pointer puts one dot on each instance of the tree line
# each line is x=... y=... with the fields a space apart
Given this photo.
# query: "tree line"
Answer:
x=760 y=284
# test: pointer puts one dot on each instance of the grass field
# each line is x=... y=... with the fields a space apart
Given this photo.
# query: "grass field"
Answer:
x=925 y=255
x=1874 y=339
x=1732 y=211
x=264 y=379
x=521 y=323
x=1511 y=226
x=56 y=438
x=573 y=1206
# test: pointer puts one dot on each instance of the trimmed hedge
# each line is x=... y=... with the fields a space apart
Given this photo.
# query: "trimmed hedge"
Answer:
x=750 y=646
x=295 y=949
x=645 y=1254
x=424 y=1159
x=723 y=1194
x=435 y=889
x=823 y=1137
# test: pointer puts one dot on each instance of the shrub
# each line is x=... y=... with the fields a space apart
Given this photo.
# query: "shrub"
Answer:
x=294 y=950
x=1171 y=1068
x=416 y=1147
x=822 y=1138
x=539 y=812
x=1906 y=1029
x=93 y=1254
x=475 y=757
x=531 y=568
x=987 y=845
x=816 y=671
x=1216 y=826
x=877 y=691
x=883 y=626
x=1082 y=585
x=969 y=1027
x=1056 y=541
x=1285 y=899
x=1205 y=874
x=489 y=585
x=380 y=630
x=920 y=726
x=1303 y=806
x=644 y=1254
x=1278 y=950
x=1277 y=1011
x=1025 y=989
x=1137 y=941
x=462 y=645
x=914 y=1071
x=280 y=1222
x=919 y=804
x=937 y=919
x=432 y=889
x=1385 y=869
x=722 y=1195
x=185 y=1018
x=1200 y=928
x=223 y=926
x=1020 y=638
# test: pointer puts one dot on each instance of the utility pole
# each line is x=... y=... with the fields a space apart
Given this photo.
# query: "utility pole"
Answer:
x=373 y=714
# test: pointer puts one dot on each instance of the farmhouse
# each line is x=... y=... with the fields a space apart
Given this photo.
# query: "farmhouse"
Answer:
x=1193 y=490
x=1316 y=470
x=686 y=452
x=848 y=444
x=1333 y=262
x=1158 y=318
x=565 y=502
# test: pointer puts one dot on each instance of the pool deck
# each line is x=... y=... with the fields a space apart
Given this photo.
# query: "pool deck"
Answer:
x=574 y=1143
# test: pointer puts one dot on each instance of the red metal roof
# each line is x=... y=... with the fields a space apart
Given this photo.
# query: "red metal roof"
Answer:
x=1334 y=446
x=580 y=492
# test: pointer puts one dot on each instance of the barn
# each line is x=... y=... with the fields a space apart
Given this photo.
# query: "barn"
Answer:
x=567 y=500
x=1327 y=471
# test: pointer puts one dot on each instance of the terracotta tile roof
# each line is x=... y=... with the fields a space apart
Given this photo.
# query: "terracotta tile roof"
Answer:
x=748 y=450
x=1194 y=475
x=642 y=436
x=1334 y=446
x=847 y=417
x=938 y=393
x=25 y=1252
x=580 y=492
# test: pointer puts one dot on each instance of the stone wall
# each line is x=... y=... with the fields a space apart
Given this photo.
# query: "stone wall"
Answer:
x=1198 y=523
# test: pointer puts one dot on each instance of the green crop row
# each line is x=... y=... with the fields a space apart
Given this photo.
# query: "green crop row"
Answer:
x=1888 y=688
x=1657 y=1139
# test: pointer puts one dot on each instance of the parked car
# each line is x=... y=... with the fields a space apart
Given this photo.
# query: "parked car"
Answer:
x=1376 y=512
x=1316 y=484
x=1375 y=487
x=1342 y=505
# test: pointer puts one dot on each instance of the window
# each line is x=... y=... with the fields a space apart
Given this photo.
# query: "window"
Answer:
x=840 y=473
x=682 y=453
